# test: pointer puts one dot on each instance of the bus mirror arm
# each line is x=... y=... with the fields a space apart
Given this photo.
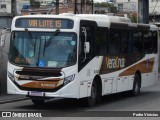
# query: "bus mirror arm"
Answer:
x=86 y=44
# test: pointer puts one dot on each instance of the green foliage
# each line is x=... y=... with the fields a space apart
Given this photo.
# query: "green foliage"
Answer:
x=133 y=17
x=111 y=7
x=88 y=2
x=32 y=1
x=35 y=4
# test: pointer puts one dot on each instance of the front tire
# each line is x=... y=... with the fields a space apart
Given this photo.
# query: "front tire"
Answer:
x=136 y=86
x=92 y=99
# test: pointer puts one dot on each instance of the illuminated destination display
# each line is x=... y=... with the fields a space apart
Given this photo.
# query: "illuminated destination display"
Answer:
x=49 y=23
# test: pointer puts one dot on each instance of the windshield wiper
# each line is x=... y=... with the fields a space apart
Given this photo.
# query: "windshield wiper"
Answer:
x=30 y=37
x=49 y=41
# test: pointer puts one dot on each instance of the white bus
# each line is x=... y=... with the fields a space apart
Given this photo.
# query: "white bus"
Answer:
x=80 y=56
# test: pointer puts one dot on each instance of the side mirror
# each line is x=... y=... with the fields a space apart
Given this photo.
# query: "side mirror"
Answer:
x=3 y=37
x=86 y=47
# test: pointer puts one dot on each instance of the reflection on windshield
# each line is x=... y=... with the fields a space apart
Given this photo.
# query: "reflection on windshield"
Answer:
x=61 y=52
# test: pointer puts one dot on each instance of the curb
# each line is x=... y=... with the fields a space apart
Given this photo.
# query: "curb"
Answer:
x=12 y=100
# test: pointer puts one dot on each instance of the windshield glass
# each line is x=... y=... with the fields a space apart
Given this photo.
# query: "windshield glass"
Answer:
x=43 y=49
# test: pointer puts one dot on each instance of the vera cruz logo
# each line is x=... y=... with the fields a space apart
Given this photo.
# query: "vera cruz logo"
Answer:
x=115 y=62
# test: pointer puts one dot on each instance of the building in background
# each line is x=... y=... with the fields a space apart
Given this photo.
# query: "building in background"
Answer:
x=127 y=5
x=22 y=4
x=44 y=2
x=5 y=6
x=49 y=7
x=48 y=2
x=154 y=11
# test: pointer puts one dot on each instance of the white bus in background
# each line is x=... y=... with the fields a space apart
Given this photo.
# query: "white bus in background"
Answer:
x=80 y=56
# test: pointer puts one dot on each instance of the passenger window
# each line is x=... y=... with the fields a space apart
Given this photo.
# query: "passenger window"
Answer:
x=101 y=41
x=125 y=41
x=155 y=44
x=137 y=42
x=147 y=37
x=114 y=41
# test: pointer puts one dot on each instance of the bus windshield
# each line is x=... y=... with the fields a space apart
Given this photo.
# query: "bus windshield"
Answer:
x=43 y=49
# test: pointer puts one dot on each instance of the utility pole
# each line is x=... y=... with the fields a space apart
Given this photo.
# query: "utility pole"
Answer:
x=75 y=7
x=57 y=7
x=81 y=6
x=84 y=3
x=92 y=6
x=13 y=8
x=143 y=11
x=85 y=7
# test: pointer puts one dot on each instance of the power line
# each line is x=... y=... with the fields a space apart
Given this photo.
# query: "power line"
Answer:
x=155 y=6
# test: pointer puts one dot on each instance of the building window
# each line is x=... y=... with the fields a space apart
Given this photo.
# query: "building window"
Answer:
x=120 y=7
x=3 y=6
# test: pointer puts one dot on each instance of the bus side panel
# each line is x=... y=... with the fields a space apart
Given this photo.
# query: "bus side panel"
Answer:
x=130 y=82
x=86 y=76
x=150 y=78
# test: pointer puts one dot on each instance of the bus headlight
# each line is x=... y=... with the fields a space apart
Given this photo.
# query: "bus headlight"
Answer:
x=11 y=76
x=69 y=79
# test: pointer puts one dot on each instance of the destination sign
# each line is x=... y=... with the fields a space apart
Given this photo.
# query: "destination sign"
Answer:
x=49 y=23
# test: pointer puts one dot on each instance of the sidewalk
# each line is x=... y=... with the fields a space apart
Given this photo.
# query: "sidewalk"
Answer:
x=6 y=98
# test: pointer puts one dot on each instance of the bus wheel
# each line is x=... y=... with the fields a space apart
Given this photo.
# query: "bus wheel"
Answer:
x=38 y=102
x=136 y=86
x=91 y=101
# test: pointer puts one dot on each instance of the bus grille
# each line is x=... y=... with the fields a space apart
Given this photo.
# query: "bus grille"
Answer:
x=39 y=73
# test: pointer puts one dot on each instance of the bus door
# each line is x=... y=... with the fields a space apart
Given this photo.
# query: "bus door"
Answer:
x=86 y=53
x=86 y=43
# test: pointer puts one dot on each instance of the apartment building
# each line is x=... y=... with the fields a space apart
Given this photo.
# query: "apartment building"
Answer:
x=5 y=6
x=46 y=2
x=126 y=5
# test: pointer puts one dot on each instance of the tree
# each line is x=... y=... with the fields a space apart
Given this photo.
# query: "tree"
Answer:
x=111 y=7
x=35 y=4
x=133 y=17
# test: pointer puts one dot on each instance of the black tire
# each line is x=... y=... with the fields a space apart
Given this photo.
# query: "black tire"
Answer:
x=136 y=86
x=92 y=100
x=38 y=102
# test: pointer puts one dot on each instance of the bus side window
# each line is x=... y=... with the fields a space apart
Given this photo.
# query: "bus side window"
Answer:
x=125 y=41
x=137 y=42
x=101 y=41
x=83 y=39
x=81 y=46
x=155 y=44
x=147 y=42
x=114 y=41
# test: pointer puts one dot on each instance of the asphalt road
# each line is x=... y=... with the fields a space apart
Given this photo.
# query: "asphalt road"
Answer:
x=148 y=100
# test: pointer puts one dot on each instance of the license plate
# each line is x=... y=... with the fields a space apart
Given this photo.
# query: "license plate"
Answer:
x=33 y=93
